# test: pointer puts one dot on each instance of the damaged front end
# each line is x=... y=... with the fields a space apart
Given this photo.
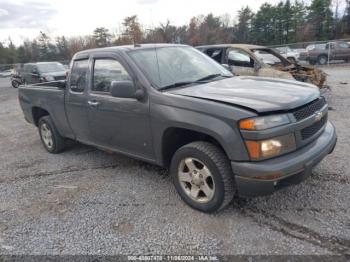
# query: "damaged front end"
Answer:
x=305 y=74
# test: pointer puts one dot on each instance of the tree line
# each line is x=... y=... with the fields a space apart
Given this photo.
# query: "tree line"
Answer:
x=279 y=24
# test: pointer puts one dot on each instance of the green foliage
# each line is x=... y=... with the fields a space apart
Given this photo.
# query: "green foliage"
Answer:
x=102 y=37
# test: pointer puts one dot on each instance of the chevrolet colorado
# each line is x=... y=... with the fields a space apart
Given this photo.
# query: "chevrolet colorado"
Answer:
x=173 y=106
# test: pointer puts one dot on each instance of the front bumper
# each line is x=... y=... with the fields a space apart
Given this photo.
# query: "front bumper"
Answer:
x=293 y=167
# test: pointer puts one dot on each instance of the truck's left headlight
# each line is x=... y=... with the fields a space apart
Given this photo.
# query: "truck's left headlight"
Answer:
x=264 y=122
x=263 y=149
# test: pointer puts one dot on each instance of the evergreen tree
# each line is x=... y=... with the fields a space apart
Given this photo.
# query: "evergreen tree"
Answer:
x=244 y=26
x=320 y=19
x=102 y=37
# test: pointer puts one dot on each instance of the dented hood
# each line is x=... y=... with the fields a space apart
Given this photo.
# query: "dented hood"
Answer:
x=260 y=94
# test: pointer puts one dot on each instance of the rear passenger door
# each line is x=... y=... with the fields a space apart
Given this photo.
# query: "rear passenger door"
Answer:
x=119 y=124
x=76 y=100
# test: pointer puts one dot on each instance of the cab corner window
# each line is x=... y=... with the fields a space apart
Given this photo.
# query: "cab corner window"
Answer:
x=105 y=72
x=78 y=75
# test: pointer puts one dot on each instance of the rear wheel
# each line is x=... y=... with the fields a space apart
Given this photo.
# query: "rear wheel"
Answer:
x=51 y=139
x=15 y=84
x=322 y=60
x=202 y=176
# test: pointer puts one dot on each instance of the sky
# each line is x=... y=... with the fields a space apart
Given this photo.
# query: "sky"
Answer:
x=24 y=19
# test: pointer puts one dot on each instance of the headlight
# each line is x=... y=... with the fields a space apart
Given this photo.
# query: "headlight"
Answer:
x=259 y=150
x=264 y=122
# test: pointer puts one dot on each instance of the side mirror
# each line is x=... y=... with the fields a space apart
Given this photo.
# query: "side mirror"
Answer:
x=126 y=89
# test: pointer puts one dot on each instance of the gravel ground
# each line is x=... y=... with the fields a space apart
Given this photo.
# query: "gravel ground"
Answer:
x=85 y=201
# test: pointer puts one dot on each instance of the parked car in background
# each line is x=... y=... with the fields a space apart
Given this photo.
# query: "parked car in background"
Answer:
x=291 y=54
x=315 y=46
x=255 y=60
x=173 y=106
x=322 y=54
x=43 y=72
x=5 y=73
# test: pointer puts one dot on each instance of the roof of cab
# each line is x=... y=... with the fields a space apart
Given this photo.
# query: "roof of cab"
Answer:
x=243 y=46
x=126 y=48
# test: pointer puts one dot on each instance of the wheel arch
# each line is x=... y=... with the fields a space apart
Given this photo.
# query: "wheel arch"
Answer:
x=37 y=113
x=175 y=137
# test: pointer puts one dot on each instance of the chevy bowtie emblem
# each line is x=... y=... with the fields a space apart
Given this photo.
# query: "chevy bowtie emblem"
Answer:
x=318 y=116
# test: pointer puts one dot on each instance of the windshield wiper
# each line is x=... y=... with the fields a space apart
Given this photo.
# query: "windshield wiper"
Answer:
x=212 y=76
x=199 y=81
x=178 y=84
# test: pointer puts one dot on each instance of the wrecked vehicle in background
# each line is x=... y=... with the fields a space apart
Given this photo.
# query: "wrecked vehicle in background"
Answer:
x=262 y=61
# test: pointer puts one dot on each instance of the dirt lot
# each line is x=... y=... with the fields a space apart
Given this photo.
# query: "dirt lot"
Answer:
x=85 y=201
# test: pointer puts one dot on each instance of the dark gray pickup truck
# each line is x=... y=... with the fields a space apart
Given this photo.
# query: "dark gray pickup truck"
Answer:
x=173 y=106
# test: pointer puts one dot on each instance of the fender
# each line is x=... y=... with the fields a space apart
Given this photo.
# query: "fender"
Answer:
x=164 y=117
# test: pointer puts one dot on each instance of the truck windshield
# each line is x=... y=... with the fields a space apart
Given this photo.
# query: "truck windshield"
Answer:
x=167 y=66
x=51 y=67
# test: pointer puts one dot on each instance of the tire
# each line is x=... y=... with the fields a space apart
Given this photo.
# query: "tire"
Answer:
x=206 y=158
x=15 y=84
x=53 y=142
x=322 y=60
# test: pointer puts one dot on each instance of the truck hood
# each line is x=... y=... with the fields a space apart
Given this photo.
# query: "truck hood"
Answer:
x=260 y=94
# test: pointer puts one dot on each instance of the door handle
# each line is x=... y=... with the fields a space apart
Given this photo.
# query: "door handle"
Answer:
x=93 y=103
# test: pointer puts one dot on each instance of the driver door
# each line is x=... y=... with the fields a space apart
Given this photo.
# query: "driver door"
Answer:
x=118 y=124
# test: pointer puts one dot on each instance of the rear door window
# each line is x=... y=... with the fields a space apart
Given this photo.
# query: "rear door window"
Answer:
x=78 y=75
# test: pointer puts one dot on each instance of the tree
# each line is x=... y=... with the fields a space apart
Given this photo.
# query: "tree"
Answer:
x=102 y=37
x=346 y=19
x=44 y=50
x=263 y=25
x=298 y=21
x=193 y=32
x=62 y=48
x=132 y=29
x=321 y=19
x=244 y=26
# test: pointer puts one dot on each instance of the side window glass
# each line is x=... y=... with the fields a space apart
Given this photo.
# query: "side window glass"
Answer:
x=343 y=45
x=106 y=71
x=239 y=58
x=78 y=75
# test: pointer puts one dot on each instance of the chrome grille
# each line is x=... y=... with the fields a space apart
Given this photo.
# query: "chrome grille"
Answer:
x=309 y=131
x=309 y=109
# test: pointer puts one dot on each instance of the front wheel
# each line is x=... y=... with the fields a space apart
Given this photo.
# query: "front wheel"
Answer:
x=51 y=139
x=202 y=176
